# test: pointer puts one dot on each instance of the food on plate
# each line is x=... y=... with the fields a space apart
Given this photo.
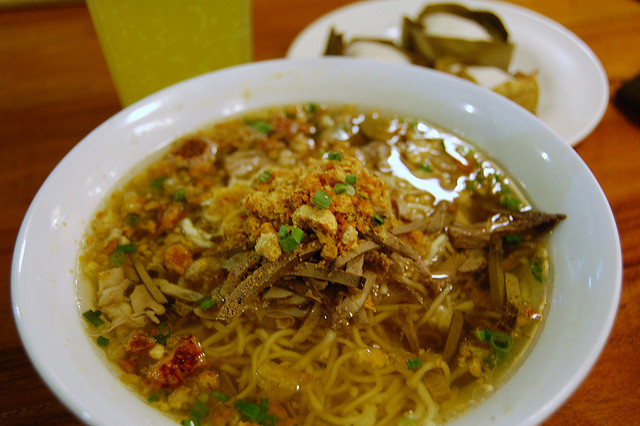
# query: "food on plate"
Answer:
x=472 y=44
x=314 y=264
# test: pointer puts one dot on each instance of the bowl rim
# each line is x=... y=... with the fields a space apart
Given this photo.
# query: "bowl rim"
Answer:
x=163 y=99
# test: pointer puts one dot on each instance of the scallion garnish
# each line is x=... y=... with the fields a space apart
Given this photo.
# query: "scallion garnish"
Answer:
x=414 y=363
x=378 y=220
x=283 y=231
x=198 y=412
x=256 y=413
x=158 y=182
x=117 y=257
x=155 y=396
x=334 y=156
x=265 y=176
x=207 y=303
x=483 y=335
x=364 y=196
x=340 y=188
x=426 y=168
x=290 y=237
x=180 y=194
x=513 y=239
x=511 y=203
x=536 y=269
x=127 y=248
x=93 y=317
x=102 y=341
x=132 y=219
x=220 y=396
x=321 y=199
x=260 y=125
x=297 y=234
x=164 y=332
x=501 y=343
x=351 y=179
x=406 y=421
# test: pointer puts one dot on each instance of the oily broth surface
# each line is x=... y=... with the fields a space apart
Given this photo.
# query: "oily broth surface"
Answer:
x=404 y=155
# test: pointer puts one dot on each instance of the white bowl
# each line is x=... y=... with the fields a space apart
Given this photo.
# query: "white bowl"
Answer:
x=585 y=248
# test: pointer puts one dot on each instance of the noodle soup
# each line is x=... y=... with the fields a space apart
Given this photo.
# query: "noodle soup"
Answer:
x=315 y=264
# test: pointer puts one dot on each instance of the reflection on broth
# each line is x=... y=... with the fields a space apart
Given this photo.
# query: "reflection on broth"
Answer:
x=316 y=265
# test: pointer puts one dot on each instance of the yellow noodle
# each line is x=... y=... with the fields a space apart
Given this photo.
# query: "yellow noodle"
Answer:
x=331 y=377
x=436 y=302
x=432 y=407
x=317 y=350
x=366 y=376
x=366 y=396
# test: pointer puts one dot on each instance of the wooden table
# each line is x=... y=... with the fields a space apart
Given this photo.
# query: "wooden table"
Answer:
x=55 y=88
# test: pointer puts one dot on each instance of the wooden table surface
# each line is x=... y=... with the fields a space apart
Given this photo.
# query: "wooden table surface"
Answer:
x=55 y=88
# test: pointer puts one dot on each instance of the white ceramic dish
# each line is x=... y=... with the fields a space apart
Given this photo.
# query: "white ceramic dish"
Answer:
x=585 y=248
x=574 y=91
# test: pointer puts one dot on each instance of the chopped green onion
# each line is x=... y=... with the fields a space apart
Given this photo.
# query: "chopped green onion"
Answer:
x=117 y=257
x=312 y=108
x=501 y=343
x=220 y=396
x=366 y=197
x=340 y=188
x=180 y=194
x=198 y=412
x=351 y=179
x=414 y=363
x=127 y=248
x=513 y=239
x=470 y=185
x=155 y=396
x=265 y=176
x=483 y=335
x=511 y=203
x=378 y=220
x=132 y=219
x=334 y=156
x=321 y=199
x=102 y=341
x=158 y=182
x=164 y=332
x=189 y=422
x=260 y=125
x=406 y=421
x=290 y=237
x=536 y=269
x=207 y=303
x=93 y=317
x=256 y=413
x=297 y=234
x=426 y=168
x=288 y=244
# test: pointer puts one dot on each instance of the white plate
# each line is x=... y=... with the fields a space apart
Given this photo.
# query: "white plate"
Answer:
x=574 y=90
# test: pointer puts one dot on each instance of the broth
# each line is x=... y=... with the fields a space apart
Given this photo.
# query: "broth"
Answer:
x=314 y=264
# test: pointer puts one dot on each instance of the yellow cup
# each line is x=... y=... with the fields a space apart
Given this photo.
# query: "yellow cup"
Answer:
x=151 y=44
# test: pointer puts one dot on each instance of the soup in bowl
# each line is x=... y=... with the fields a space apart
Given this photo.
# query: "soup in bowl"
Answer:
x=317 y=242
